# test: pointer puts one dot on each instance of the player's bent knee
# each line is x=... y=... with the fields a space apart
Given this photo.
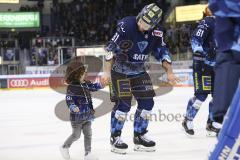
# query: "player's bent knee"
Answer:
x=201 y=97
x=120 y=116
x=123 y=105
x=198 y=100
x=145 y=114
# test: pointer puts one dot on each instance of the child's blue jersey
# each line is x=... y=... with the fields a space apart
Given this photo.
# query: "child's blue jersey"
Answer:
x=78 y=95
x=132 y=47
x=203 y=41
x=227 y=14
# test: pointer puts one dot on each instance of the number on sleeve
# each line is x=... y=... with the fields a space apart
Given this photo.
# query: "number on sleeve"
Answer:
x=115 y=37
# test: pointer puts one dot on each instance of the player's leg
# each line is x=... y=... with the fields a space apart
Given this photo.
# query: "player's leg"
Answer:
x=210 y=112
x=202 y=75
x=141 y=120
x=143 y=92
x=121 y=89
x=200 y=96
x=193 y=107
x=212 y=127
x=118 y=118
x=226 y=81
x=76 y=133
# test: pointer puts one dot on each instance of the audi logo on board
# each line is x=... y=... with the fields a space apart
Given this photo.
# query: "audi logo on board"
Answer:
x=19 y=83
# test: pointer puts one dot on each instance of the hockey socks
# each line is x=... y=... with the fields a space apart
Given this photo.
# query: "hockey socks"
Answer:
x=141 y=141
x=117 y=122
x=141 y=120
x=192 y=108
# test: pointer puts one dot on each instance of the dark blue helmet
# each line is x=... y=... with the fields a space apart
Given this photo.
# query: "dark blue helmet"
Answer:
x=151 y=14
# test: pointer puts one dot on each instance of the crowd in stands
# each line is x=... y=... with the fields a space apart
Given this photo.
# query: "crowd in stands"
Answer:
x=93 y=22
x=27 y=8
x=178 y=37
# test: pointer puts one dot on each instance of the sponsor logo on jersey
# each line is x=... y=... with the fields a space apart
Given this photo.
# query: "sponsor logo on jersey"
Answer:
x=142 y=45
x=140 y=57
x=157 y=33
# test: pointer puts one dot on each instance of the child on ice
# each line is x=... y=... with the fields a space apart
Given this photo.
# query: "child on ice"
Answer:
x=79 y=102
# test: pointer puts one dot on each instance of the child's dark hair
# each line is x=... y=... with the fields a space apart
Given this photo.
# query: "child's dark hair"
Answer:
x=75 y=70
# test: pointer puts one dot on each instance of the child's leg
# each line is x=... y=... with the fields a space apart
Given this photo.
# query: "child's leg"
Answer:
x=76 y=132
x=87 y=131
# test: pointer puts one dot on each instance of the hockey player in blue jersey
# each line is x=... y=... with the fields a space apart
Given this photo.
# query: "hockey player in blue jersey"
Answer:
x=135 y=39
x=204 y=54
x=228 y=57
x=227 y=78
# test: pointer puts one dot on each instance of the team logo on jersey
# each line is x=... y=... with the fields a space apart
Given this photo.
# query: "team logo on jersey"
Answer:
x=121 y=26
x=125 y=45
x=142 y=45
x=157 y=33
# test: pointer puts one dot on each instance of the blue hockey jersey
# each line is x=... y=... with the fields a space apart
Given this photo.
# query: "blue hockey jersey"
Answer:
x=132 y=47
x=227 y=24
x=203 y=41
x=79 y=95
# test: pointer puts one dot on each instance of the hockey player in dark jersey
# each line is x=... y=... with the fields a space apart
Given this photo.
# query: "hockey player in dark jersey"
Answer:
x=227 y=73
x=228 y=57
x=204 y=55
x=135 y=39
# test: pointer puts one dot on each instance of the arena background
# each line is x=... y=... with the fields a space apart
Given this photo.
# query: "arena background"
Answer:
x=39 y=37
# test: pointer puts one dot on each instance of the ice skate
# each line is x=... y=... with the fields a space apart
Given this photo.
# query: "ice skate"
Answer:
x=213 y=128
x=188 y=127
x=118 y=146
x=65 y=152
x=143 y=143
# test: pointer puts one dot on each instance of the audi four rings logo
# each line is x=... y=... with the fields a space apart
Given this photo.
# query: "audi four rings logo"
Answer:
x=19 y=83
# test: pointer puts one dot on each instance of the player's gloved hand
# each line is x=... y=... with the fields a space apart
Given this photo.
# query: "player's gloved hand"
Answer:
x=105 y=79
x=172 y=79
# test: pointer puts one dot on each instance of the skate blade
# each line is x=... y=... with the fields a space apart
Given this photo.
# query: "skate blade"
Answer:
x=118 y=151
x=211 y=134
x=187 y=134
x=140 y=148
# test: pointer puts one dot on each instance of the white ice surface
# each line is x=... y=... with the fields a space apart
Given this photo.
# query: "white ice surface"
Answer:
x=29 y=129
